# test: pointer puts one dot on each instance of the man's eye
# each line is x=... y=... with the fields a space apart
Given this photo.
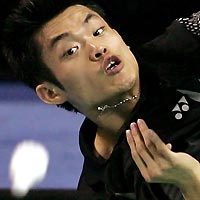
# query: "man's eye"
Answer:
x=98 y=31
x=70 y=51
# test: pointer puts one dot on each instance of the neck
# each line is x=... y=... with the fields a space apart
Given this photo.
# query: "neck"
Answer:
x=113 y=118
x=110 y=117
x=110 y=122
x=114 y=106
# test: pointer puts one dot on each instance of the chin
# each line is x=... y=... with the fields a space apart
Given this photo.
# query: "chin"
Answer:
x=127 y=84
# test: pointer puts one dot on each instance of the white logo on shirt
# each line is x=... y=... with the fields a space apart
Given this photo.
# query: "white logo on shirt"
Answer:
x=182 y=105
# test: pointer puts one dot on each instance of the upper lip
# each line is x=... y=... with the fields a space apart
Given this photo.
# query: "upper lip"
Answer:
x=110 y=61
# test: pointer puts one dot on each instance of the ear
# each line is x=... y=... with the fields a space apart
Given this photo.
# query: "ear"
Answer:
x=51 y=94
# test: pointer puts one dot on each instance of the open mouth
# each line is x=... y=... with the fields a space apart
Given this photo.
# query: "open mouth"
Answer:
x=112 y=65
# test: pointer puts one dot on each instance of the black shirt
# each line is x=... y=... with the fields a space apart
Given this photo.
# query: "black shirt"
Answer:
x=169 y=103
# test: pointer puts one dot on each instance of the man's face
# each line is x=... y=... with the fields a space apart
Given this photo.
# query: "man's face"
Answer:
x=87 y=56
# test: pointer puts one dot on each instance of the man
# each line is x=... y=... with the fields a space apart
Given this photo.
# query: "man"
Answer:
x=73 y=58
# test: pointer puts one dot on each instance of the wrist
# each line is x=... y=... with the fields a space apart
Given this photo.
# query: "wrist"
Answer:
x=191 y=188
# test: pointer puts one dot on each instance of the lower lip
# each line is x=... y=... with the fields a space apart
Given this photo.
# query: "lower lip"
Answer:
x=115 y=70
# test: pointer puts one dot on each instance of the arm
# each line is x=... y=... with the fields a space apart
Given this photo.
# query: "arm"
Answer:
x=158 y=164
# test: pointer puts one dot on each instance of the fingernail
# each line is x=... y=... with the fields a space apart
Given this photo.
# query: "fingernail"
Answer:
x=133 y=125
x=140 y=122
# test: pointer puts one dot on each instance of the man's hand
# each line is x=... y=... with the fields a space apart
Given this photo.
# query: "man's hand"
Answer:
x=157 y=163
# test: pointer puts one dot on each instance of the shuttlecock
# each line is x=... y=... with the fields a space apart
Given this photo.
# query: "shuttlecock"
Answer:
x=28 y=166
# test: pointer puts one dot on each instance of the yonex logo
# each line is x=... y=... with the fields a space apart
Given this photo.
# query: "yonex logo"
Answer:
x=181 y=106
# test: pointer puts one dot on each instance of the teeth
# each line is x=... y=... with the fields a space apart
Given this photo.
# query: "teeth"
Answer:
x=111 y=65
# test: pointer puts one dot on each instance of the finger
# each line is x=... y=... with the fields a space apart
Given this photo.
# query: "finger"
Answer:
x=140 y=146
x=142 y=166
x=144 y=130
x=151 y=140
x=149 y=134
x=142 y=125
x=129 y=138
x=145 y=133
x=139 y=162
x=162 y=150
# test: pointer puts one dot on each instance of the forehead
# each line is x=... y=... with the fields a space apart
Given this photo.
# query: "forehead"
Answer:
x=71 y=19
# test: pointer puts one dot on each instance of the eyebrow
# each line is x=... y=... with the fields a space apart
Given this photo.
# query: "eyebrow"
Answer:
x=62 y=36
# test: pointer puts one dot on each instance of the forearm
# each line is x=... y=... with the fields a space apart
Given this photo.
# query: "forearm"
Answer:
x=191 y=191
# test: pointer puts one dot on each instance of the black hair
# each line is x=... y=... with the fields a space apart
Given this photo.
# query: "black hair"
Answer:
x=23 y=54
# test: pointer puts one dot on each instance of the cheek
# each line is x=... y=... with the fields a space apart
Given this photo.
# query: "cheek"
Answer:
x=119 y=39
x=73 y=79
x=118 y=46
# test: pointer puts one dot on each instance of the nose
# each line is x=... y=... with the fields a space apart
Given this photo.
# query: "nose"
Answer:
x=96 y=51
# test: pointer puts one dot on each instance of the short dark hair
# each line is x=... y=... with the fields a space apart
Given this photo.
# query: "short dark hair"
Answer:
x=22 y=52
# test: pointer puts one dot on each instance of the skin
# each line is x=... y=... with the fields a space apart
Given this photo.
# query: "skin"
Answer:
x=76 y=60
x=86 y=85
x=159 y=164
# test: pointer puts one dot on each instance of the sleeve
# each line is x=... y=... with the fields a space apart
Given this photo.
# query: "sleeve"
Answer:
x=192 y=23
